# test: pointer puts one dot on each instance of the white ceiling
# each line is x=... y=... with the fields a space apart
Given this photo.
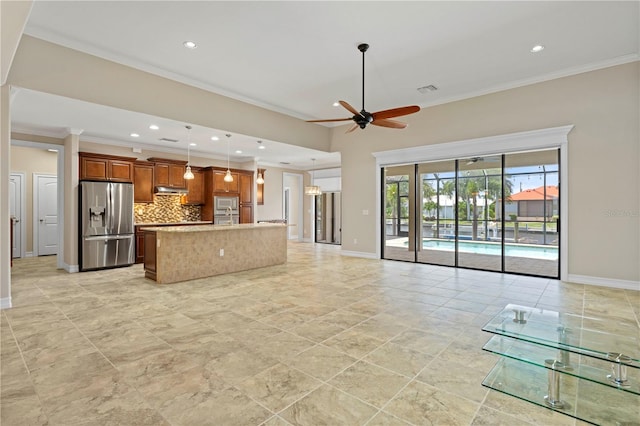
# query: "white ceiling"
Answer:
x=298 y=57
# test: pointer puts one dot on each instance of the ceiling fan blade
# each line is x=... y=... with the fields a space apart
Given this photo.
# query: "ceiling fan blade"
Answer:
x=395 y=112
x=328 y=120
x=355 y=126
x=389 y=123
x=349 y=108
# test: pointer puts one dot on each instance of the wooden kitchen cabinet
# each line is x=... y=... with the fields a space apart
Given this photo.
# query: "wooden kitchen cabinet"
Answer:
x=149 y=257
x=246 y=213
x=143 y=173
x=246 y=188
x=242 y=186
x=106 y=167
x=195 y=187
x=139 y=244
x=246 y=198
x=219 y=185
x=169 y=173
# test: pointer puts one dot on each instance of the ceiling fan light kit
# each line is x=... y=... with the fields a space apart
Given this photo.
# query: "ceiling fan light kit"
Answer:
x=363 y=117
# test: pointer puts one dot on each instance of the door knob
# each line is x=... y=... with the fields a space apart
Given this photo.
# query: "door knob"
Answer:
x=41 y=220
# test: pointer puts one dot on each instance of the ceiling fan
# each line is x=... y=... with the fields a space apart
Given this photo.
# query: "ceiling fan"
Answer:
x=380 y=118
x=493 y=159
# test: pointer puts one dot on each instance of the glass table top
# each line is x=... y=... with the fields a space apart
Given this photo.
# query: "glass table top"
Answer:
x=610 y=339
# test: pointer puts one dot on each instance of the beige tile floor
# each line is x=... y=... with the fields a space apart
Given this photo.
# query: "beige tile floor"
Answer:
x=323 y=340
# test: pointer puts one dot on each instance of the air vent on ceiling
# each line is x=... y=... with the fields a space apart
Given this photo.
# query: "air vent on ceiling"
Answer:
x=285 y=163
x=168 y=140
x=427 y=89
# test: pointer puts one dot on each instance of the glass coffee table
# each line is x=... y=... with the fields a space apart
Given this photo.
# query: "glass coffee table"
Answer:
x=584 y=367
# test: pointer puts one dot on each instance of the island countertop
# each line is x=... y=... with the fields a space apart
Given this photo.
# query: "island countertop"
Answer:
x=209 y=228
x=181 y=253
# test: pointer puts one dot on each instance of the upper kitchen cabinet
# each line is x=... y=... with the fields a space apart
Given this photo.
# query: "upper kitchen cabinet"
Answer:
x=169 y=173
x=143 y=182
x=219 y=184
x=106 y=167
x=242 y=187
x=246 y=197
x=246 y=188
x=195 y=187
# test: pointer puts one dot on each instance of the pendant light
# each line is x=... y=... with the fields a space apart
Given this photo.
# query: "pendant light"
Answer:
x=260 y=179
x=312 y=189
x=188 y=174
x=227 y=176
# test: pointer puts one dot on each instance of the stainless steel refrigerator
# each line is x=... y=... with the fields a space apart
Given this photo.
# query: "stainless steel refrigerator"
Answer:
x=107 y=236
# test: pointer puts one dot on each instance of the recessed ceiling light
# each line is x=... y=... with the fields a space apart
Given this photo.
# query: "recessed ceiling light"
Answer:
x=537 y=48
x=190 y=44
x=238 y=151
x=192 y=144
x=52 y=150
x=215 y=138
x=154 y=127
x=336 y=104
x=262 y=147
x=134 y=135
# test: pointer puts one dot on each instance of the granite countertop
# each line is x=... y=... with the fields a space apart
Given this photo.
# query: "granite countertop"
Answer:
x=209 y=227
x=186 y=222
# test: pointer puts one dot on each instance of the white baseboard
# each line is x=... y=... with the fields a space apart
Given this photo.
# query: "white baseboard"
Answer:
x=28 y=254
x=359 y=254
x=71 y=268
x=5 y=302
x=604 y=282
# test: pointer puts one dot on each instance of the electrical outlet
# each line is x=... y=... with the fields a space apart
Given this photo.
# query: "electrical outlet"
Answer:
x=355 y=241
x=365 y=212
x=221 y=252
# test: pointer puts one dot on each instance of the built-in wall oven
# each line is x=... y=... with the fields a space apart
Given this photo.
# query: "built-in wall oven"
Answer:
x=225 y=210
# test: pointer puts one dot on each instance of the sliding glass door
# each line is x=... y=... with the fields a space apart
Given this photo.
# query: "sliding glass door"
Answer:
x=399 y=226
x=437 y=218
x=479 y=186
x=452 y=213
x=532 y=213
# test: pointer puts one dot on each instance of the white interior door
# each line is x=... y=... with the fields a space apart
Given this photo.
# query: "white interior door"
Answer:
x=46 y=217
x=16 y=211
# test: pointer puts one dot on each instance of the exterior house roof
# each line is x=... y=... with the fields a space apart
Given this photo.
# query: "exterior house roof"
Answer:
x=535 y=194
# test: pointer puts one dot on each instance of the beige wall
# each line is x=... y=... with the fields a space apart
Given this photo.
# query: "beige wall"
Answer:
x=51 y=68
x=29 y=160
x=272 y=207
x=603 y=150
x=5 y=164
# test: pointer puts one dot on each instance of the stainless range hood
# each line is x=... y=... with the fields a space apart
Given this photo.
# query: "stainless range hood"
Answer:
x=166 y=190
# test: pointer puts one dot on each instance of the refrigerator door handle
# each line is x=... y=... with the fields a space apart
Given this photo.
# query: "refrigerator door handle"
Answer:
x=110 y=207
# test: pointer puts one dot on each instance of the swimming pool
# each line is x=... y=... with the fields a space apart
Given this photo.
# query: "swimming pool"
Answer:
x=490 y=248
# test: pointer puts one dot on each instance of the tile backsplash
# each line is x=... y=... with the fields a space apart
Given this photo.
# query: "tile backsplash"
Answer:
x=165 y=209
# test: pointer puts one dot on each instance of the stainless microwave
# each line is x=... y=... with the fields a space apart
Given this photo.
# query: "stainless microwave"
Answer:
x=224 y=204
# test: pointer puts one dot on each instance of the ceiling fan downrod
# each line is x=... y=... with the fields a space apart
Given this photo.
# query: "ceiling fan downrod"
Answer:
x=363 y=48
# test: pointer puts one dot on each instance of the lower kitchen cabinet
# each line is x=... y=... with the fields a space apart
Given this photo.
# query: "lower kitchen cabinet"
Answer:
x=139 y=244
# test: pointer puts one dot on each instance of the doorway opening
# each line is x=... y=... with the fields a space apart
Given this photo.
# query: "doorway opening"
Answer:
x=35 y=160
x=328 y=218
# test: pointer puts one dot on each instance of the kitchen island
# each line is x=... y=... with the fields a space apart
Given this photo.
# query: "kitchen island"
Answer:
x=180 y=253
